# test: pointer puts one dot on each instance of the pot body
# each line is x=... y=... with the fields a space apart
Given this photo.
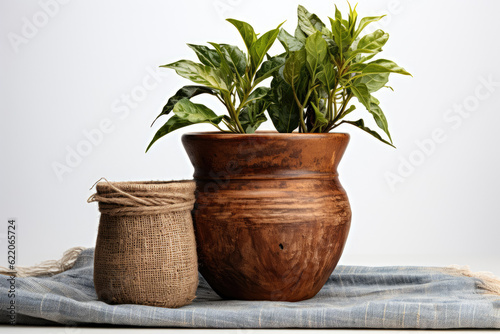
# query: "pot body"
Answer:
x=271 y=217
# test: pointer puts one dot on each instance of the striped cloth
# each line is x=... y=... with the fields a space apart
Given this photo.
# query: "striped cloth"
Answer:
x=353 y=297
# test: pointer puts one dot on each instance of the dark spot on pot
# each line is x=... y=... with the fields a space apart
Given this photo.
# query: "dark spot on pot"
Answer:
x=318 y=162
x=295 y=154
x=281 y=246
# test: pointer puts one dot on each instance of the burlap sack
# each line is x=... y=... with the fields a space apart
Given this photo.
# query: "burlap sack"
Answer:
x=145 y=251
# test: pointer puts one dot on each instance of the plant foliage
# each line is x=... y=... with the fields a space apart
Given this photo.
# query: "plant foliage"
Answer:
x=231 y=75
x=326 y=66
x=313 y=81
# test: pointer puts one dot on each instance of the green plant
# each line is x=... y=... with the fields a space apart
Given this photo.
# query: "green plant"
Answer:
x=324 y=69
x=229 y=74
x=312 y=85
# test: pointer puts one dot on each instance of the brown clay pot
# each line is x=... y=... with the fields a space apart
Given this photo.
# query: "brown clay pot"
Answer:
x=271 y=217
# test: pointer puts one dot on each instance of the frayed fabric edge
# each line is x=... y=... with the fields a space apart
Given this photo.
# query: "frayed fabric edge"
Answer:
x=46 y=268
x=489 y=282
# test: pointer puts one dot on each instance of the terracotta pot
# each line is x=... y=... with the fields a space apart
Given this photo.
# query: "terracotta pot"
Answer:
x=271 y=217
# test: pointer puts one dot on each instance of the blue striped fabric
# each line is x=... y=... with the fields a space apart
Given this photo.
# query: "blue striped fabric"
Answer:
x=353 y=297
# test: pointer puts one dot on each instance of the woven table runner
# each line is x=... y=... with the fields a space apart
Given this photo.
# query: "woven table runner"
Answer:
x=353 y=297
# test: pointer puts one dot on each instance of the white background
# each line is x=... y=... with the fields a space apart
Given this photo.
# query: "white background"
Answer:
x=74 y=71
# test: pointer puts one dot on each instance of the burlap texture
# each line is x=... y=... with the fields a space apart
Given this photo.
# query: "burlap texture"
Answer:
x=145 y=251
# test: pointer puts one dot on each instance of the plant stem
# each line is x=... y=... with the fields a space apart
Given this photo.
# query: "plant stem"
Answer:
x=331 y=117
x=232 y=114
x=301 y=109
x=220 y=129
x=237 y=121
x=221 y=100
x=336 y=125
x=229 y=126
x=339 y=116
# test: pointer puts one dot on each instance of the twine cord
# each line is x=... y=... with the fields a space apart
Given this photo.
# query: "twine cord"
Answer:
x=140 y=202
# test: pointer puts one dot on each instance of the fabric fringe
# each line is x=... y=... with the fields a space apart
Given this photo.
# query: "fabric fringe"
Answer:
x=50 y=267
x=489 y=281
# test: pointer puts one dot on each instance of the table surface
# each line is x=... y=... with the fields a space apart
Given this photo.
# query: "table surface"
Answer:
x=81 y=330
x=491 y=264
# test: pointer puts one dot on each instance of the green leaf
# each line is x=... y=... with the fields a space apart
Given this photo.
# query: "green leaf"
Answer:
x=379 y=117
x=227 y=69
x=362 y=94
x=246 y=32
x=283 y=111
x=186 y=113
x=356 y=52
x=366 y=21
x=258 y=94
x=200 y=74
x=289 y=42
x=347 y=112
x=261 y=46
x=300 y=35
x=195 y=113
x=352 y=55
x=252 y=115
x=353 y=17
x=285 y=117
x=316 y=50
x=327 y=75
x=374 y=41
x=341 y=35
x=374 y=81
x=251 y=118
x=378 y=66
x=309 y=23
x=333 y=48
x=316 y=22
x=173 y=123
x=338 y=14
x=235 y=58
x=206 y=55
x=320 y=120
x=293 y=66
x=387 y=64
x=360 y=124
x=268 y=68
x=185 y=92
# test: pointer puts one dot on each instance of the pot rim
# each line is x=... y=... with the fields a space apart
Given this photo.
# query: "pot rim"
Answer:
x=261 y=134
